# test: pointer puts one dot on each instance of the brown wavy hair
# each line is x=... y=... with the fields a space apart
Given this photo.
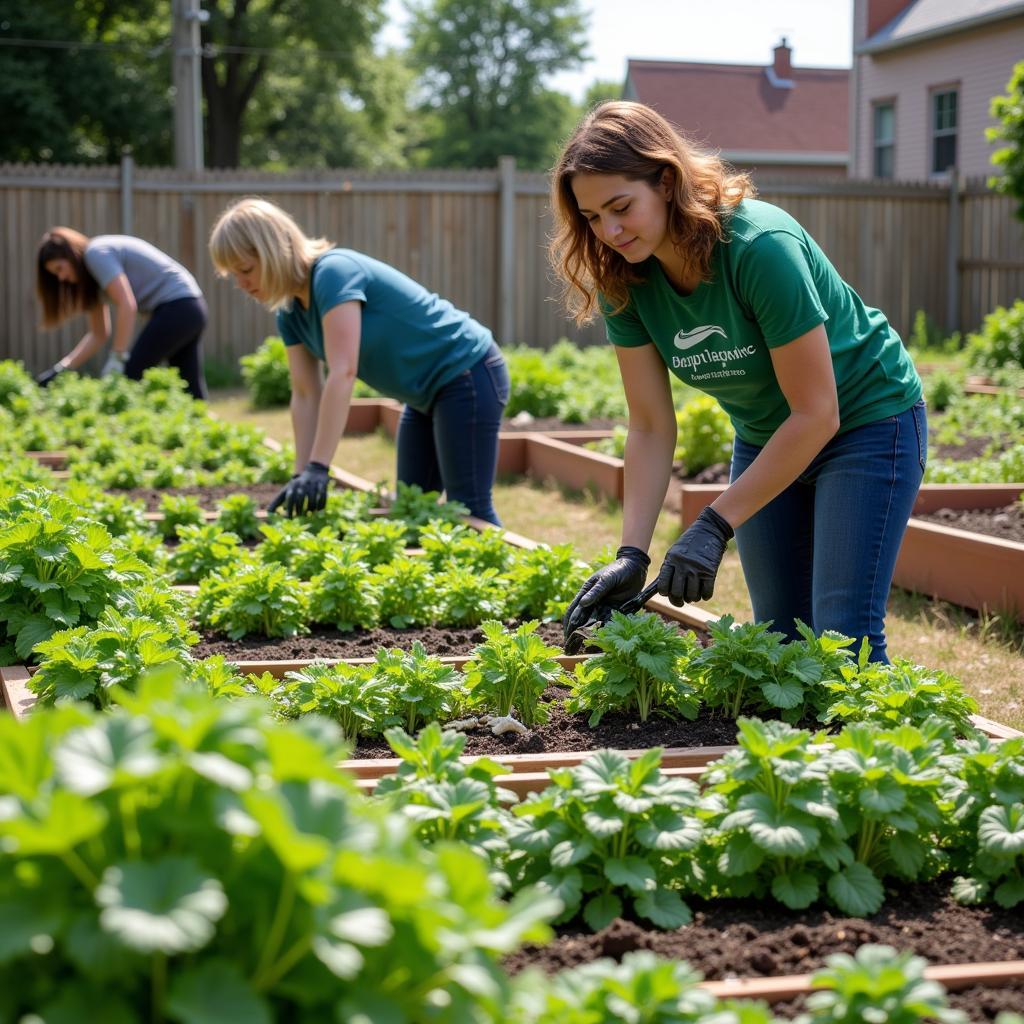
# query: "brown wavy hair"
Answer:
x=632 y=140
x=61 y=299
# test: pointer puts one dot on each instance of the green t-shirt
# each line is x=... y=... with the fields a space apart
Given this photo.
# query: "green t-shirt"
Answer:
x=770 y=284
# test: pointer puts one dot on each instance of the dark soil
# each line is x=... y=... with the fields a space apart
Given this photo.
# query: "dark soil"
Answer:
x=554 y=423
x=208 y=496
x=1006 y=523
x=966 y=448
x=446 y=641
x=716 y=474
x=741 y=938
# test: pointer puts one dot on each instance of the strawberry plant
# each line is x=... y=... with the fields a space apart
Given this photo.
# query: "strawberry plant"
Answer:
x=511 y=671
x=184 y=859
x=420 y=687
x=442 y=542
x=350 y=695
x=446 y=798
x=467 y=597
x=343 y=508
x=415 y=508
x=57 y=570
x=237 y=515
x=383 y=540
x=641 y=669
x=178 y=511
x=257 y=599
x=344 y=594
x=266 y=374
x=312 y=551
x=202 y=550
x=280 y=541
x=877 y=984
x=405 y=587
x=900 y=693
x=542 y=581
x=607 y=830
x=118 y=514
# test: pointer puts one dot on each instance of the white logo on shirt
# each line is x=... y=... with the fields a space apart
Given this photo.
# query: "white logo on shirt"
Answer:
x=687 y=339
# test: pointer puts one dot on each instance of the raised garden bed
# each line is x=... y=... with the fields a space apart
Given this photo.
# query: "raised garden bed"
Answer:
x=969 y=569
x=1005 y=523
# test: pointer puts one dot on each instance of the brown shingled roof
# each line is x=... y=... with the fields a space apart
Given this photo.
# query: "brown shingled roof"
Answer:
x=735 y=107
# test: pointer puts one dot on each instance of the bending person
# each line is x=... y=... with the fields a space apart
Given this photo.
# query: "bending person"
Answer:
x=363 y=318
x=76 y=274
x=694 y=275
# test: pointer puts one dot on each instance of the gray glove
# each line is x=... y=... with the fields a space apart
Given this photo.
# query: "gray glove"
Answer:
x=691 y=565
x=114 y=364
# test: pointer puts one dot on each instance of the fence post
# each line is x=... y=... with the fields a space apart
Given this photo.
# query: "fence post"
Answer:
x=953 y=254
x=506 y=249
x=127 y=184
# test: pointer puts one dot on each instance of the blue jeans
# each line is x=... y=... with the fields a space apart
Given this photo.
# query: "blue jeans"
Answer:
x=453 y=446
x=825 y=549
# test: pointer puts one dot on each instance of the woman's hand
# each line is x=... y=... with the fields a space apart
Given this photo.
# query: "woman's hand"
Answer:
x=305 y=492
x=691 y=565
x=611 y=586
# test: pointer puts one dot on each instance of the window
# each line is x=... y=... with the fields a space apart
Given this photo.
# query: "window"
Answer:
x=944 y=124
x=884 y=140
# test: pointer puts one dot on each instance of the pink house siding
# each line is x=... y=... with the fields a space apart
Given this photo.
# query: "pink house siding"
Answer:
x=977 y=62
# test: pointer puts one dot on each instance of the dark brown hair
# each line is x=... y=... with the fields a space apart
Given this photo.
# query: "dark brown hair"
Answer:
x=636 y=142
x=61 y=299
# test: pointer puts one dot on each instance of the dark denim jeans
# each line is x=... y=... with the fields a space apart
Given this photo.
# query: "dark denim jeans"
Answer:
x=825 y=549
x=454 y=445
x=172 y=335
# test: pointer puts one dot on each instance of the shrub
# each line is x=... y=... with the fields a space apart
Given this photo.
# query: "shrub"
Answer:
x=1000 y=342
x=266 y=374
x=705 y=434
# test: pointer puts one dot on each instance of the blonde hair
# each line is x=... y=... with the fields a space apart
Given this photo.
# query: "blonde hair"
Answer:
x=255 y=230
x=61 y=299
x=636 y=142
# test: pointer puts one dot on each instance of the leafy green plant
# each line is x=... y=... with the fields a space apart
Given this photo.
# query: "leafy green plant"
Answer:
x=446 y=798
x=405 y=587
x=640 y=670
x=704 y=435
x=266 y=374
x=415 y=508
x=202 y=550
x=442 y=542
x=538 y=386
x=607 y=830
x=118 y=514
x=900 y=693
x=511 y=671
x=942 y=388
x=343 y=508
x=281 y=538
x=345 y=593
x=16 y=382
x=237 y=514
x=350 y=695
x=542 y=581
x=877 y=983
x=1000 y=341
x=420 y=687
x=383 y=540
x=57 y=570
x=184 y=858
x=313 y=551
x=253 y=599
x=467 y=596
x=86 y=662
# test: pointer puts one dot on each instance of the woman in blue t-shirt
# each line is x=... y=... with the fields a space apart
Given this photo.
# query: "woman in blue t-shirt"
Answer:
x=363 y=318
x=76 y=274
x=695 y=276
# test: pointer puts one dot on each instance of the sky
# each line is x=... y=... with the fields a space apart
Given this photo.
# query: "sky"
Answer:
x=723 y=31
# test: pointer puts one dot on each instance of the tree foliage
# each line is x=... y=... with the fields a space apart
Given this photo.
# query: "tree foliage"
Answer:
x=1009 y=109
x=483 y=65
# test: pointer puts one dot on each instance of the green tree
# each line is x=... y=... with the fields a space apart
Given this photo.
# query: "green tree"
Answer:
x=599 y=91
x=244 y=39
x=483 y=64
x=1009 y=109
x=81 y=81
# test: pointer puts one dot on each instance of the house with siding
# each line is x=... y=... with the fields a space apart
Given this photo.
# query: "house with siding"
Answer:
x=924 y=73
x=775 y=119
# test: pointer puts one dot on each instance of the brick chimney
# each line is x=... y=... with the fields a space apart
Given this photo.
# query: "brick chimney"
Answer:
x=783 y=66
x=881 y=12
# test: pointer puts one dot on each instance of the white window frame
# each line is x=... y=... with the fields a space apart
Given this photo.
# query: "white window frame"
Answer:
x=935 y=133
x=889 y=143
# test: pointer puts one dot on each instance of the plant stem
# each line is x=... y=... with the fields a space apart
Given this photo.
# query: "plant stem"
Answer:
x=80 y=870
x=159 y=986
x=285 y=900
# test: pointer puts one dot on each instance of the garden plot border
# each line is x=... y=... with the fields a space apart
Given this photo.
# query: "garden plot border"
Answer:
x=969 y=569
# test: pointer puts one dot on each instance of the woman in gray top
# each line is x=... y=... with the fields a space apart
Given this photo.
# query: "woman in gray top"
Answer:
x=76 y=274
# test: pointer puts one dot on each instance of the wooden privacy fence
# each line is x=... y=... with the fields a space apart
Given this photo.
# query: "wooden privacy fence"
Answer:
x=479 y=238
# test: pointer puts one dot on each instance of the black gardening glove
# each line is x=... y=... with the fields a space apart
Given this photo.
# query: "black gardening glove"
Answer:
x=305 y=492
x=691 y=565
x=611 y=586
x=44 y=378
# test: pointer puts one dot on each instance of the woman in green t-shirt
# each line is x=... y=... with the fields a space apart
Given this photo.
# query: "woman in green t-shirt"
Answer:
x=692 y=274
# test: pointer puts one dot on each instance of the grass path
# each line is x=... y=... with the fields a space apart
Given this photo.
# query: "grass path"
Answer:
x=986 y=654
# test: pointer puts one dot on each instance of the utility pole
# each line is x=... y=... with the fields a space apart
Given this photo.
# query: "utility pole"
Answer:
x=188 y=98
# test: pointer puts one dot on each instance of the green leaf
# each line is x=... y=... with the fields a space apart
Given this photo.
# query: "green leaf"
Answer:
x=114 y=750
x=168 y=906
x=215 y=992
x=795 y=889
x=1001 y=829
x=883 y=798
x=571 y=851
x=664 y=907
x=600 y=911
x=786 y=694
x=856 y=890
x=632 y=872
x=34 y=630
x=1010 y=892
x=29 y=926
x=741 y=856
x=969 y=890
x=908 y=853
x=67 y=820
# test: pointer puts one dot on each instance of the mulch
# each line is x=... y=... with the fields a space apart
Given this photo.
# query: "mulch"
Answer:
x=1006 y=523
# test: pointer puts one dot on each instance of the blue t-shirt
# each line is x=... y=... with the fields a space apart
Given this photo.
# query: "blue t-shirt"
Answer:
x=411 y=343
